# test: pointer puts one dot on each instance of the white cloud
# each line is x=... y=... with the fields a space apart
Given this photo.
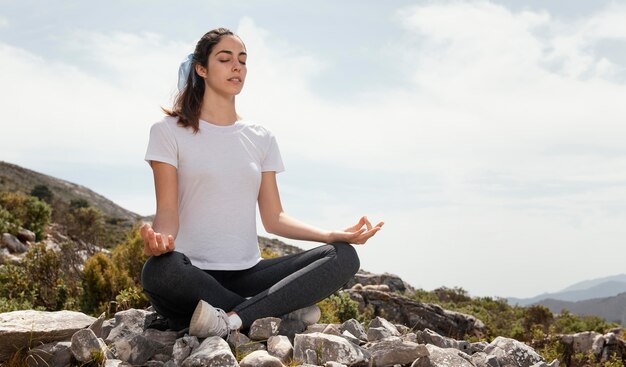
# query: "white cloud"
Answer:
x=3 y=22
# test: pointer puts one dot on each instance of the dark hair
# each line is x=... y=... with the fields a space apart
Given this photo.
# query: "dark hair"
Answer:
x=189 y=100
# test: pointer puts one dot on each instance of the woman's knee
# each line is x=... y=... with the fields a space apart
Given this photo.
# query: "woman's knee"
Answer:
x=347 y=258
x=156 y=267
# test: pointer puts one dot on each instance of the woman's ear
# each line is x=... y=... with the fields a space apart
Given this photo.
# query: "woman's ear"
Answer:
x=201 y=70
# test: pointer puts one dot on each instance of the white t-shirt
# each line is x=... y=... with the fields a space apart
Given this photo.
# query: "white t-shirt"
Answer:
x=219 y=175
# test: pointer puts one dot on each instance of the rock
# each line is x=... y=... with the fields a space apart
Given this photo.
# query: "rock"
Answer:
x=380 y=328
x=262 y=329
x=583 y=342
x=96 y=326
x=482 y=359
x=260 y=358
x=394 y=350
x=25 y=235
x=19 y=328
x=355 y=328
x=242 y=345
x=182 y=348
x=51 y=354
x=130 y=322
x=380 y=322
x=213 y=352
x=441 y=357
x=378 y=333
x=280 y=347
x=418 y=315
x=428 y=336
x=326 y=348
x=512 y=352
x=351 y=338
x=334 y=364
x=316 y=328
x=162 y=338
x=392 y=281
x=13 y=244
x=290 y=328
x=332 y=329
x=86 y=345
x=135 y=349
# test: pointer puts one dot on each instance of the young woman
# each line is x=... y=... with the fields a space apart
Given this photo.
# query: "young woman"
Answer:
x=211 y=168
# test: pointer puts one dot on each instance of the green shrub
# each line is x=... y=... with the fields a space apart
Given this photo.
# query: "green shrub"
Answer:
x=102 y=282
x=8 y=222
x=43 y=193
x=28 y=211
x=85 y=223
x=339 y=307
x=129 y=257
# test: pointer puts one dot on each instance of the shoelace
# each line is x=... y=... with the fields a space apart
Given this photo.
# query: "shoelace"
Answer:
x=224 y=325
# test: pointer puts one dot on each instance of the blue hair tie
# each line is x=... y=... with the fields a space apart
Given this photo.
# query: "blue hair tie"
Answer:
x=183 y=73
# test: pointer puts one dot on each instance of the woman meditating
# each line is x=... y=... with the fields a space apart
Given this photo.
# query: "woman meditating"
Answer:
x=210 y=169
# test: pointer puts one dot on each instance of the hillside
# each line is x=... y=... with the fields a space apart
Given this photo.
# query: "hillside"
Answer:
x=16 y=178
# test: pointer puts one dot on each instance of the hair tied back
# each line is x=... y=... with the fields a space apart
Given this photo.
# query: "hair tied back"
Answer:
x=183 y=73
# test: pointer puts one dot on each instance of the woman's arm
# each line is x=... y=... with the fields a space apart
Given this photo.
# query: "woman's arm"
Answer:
x=159 y=238
x=277 y=222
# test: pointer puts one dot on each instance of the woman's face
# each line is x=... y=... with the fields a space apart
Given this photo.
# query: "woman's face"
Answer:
x=226 y=67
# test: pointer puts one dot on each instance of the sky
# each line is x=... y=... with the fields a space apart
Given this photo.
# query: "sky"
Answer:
x=488 y=135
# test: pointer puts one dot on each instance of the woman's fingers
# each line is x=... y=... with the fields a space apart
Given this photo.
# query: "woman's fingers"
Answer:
x=170 y=243
x=367 y=223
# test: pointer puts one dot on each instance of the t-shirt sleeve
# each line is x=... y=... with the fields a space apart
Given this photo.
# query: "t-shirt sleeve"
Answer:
x=162 y=145
x=273 y=160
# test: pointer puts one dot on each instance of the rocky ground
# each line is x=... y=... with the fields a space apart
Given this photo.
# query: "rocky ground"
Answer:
x=67 y=338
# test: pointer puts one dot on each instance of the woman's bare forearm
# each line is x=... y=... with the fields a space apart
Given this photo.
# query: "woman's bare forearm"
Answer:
x=288 y=227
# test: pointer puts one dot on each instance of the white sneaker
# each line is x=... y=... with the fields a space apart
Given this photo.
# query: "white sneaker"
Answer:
x=309 y=315
x=208 y=321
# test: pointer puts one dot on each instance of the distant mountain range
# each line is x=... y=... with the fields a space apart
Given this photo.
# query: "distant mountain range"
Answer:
x=602 y=297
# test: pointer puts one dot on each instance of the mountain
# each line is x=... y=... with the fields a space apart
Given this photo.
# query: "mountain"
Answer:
x=16 y=178
x=576 y=293
x=609 y=308
x=586 y=284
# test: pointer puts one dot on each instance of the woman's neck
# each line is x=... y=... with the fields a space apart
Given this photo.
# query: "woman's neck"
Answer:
x=218 y=109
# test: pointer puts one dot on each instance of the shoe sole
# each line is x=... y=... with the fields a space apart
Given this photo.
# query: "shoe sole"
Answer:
x=196 y=325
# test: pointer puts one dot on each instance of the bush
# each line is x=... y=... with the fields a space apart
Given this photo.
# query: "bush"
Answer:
x=128 y=256
x=8 y=222
x=43 y=193
x=339 y=307
x=85 y=223
x=102 y=282
x=28 y=211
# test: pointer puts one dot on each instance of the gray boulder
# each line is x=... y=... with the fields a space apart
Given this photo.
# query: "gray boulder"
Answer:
x=326 y=347
x=130 y=322
x=12 y=244
x=512 y=352
x=442 y=357
x=394 y=282
x=182 y=349
x=86 y=346
x=213 y=352
x=135 y=349
x=355 y=328
x=262 y=329
x=25 y=235
x=428 y=336
x=280 y=347
x=417 y=315
x=394 y=350
x=19 y=328
x=51 y=354
x=260 y=358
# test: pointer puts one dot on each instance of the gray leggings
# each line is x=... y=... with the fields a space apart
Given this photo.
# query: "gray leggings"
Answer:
x=275 y=286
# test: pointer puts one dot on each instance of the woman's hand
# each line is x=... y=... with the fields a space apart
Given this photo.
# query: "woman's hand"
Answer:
x=154 y=243
x=357 y=234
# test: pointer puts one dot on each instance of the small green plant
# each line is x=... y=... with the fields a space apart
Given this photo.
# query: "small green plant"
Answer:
x=338 y=307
